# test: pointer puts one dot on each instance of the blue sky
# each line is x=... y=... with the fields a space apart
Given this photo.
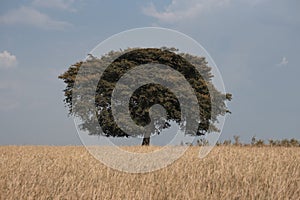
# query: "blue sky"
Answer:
x=255 y=44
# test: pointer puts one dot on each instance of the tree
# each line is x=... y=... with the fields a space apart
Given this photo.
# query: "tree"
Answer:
x=236 y=140
x=211 y=102
x=253 y=140
x=260 y=143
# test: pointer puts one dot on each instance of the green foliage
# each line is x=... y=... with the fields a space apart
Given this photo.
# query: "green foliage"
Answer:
x=236 y=140
x=261 y=143
x=117 y=64
x=253 y=140
x=202 y=142
x=227 y=142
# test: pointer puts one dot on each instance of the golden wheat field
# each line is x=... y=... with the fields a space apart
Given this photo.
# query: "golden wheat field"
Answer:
x=228 y=172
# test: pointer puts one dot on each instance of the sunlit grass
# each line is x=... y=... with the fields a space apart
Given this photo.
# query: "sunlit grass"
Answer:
x=228 y=172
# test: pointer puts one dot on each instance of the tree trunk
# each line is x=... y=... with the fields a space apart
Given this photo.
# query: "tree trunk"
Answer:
x=146 y=141
x=147 y=135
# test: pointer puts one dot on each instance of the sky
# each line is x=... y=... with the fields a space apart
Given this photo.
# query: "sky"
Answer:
x=254 y=43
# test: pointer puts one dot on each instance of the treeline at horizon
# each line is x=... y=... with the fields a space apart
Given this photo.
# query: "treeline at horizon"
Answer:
x=254 y=142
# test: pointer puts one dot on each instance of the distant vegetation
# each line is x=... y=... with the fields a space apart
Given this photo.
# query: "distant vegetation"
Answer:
x=255 y=142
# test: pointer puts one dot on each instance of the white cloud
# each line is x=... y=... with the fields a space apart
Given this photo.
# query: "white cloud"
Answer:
x=7 y=60
x=59 y=4
x=283 y=62
x=30 y=16
x=179 y=10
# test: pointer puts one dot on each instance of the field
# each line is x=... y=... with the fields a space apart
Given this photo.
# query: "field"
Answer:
x=228 y=172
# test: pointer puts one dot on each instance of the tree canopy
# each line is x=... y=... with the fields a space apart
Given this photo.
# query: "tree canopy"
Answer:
x=107 y=72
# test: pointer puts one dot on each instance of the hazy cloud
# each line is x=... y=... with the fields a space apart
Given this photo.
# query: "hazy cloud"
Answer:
x=283 y=62
x=59 y=4
x=183 y=9
x=180 y=10
x=30 y=16
x=7 y=60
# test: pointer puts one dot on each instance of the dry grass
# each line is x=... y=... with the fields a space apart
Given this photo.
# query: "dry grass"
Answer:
x=46 y=172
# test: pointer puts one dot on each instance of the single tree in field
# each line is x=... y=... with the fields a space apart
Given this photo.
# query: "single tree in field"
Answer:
x=81 y=95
